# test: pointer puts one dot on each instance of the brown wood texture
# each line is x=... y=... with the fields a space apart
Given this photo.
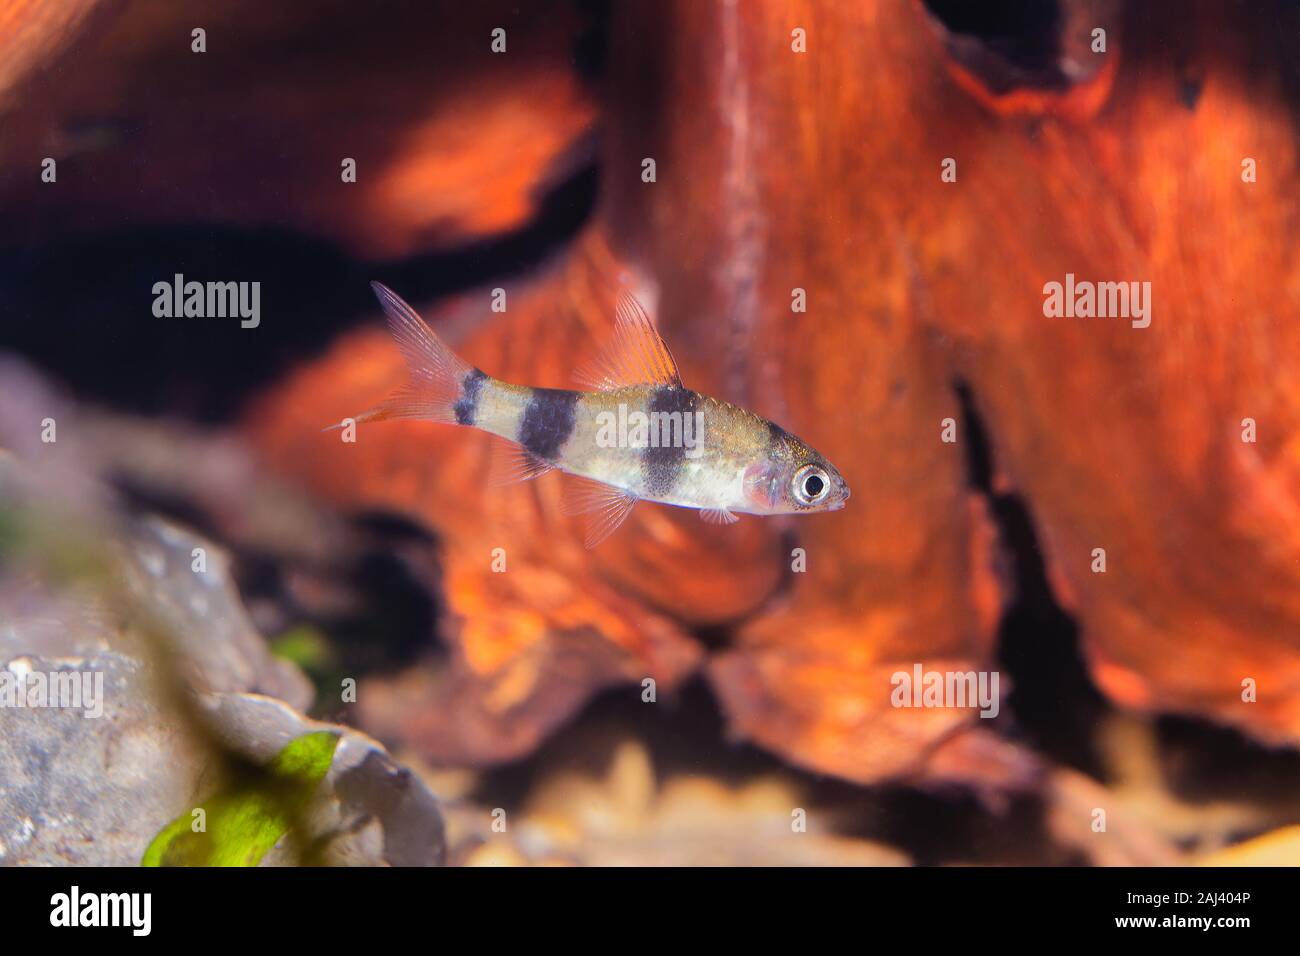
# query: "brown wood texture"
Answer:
x=820 y=171
x=452 y=142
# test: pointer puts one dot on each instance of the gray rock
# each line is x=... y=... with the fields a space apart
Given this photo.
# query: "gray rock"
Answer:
x=92 y=791
x=187 y=685
x=201 y=617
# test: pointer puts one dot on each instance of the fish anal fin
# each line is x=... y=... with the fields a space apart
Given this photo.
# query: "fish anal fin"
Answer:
x=513 y=463
x=717 y=516
x=604 y=506
x=635 y=353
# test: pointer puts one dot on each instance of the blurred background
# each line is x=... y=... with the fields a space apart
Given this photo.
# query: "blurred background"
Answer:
x=843 y=217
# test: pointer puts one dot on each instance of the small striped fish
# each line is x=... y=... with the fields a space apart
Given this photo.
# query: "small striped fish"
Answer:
x=638 y=435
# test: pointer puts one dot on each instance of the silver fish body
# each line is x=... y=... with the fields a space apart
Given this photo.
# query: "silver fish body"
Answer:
x=638 y=434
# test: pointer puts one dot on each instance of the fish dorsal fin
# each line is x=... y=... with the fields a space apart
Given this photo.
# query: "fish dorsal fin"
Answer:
x=634 y=355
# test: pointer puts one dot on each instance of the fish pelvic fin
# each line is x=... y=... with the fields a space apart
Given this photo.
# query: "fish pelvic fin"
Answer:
x=717 y=516
x=442 y=386
x=634 y=355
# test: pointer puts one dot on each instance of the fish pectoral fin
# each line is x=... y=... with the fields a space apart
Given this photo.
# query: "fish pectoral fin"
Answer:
x=634 y=355
x=717 y=516
x=512 y=463
x=604 y=506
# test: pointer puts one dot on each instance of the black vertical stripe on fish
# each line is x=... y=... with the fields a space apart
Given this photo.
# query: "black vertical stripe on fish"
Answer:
x=661 y=465
x=467 y=405
x=548 y=421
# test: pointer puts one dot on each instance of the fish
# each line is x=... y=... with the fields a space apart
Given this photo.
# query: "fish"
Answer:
x=636 y=433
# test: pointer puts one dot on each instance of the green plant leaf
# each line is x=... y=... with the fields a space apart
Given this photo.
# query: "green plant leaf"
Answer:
x=305 y=645
x=244 y=823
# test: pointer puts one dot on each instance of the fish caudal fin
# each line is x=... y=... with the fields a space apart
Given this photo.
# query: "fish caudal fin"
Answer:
x=442 y=385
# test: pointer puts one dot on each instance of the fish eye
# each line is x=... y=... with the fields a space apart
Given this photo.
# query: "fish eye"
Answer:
x=811 y=484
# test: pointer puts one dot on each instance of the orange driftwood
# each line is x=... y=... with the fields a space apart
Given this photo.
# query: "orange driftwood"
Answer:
x=451 y=142
x=821 y=171
x=778 y=170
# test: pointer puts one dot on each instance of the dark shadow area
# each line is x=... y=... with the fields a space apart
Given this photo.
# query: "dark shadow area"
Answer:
x=82 y=309
x=1056 y=705
x=1023 y=32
